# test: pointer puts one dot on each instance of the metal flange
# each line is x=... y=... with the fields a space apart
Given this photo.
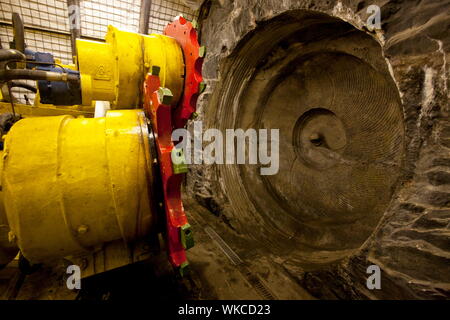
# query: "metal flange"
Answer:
x=178 y=232
x=186 y=36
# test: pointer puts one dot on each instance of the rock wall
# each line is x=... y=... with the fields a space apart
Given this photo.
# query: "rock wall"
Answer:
x=411 y=243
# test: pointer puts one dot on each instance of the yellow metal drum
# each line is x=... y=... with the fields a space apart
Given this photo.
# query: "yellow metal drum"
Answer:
x=114 y=70
x=86 y=182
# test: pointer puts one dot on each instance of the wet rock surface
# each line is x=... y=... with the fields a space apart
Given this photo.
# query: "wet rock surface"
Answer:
x=411 y=240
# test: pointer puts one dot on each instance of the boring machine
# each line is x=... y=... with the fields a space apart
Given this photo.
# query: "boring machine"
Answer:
x=101 y=192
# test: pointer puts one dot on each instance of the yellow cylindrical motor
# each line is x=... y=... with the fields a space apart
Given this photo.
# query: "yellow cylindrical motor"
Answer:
x=86 y=182
x=115 y=70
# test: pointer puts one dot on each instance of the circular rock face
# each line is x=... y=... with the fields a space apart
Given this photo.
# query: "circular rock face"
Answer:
x=326 y=87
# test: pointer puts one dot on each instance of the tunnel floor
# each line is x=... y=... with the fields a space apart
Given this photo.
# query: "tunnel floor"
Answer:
x=216 y=272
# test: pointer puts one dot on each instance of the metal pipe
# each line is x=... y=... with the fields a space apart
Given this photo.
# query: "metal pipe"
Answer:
x=20 y=84
x=11 y=54
x=144 y=16
x=19 y=32
x=6 y=75
x=73 y=7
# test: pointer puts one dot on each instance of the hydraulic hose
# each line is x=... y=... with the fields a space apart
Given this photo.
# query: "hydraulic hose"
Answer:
x=11 y=54
x=21 y=84
x=6 y=75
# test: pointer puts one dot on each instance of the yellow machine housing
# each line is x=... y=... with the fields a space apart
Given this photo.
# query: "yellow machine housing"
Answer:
x=86 y=182
x=89 y=182
x=114 y=71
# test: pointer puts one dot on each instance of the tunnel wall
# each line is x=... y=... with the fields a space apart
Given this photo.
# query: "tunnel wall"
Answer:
x=411 y=243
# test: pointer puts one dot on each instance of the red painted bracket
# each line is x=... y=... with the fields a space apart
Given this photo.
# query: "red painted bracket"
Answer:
x=165 y=119
x=161 y=119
